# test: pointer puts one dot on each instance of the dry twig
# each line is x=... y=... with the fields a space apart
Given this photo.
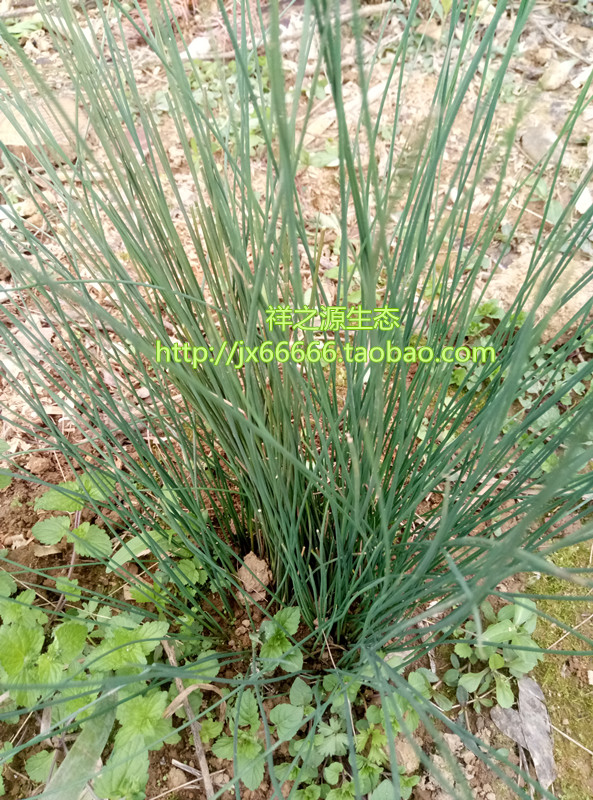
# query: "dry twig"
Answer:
x=194 y=725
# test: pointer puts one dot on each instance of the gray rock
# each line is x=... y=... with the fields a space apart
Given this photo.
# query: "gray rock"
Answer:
x=537 y=141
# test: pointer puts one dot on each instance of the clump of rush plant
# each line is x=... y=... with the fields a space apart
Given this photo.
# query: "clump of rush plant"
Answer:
x=351 y=499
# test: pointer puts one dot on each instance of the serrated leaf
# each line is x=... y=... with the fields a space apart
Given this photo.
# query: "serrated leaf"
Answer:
x=224 y=748
x=248 y=709
x=332 y=772
x=19 y=646
x=143 y=717
x=331 y=740
x=251 y=770
x=91 y=541
x=463 y=650
x=49 y=671
x=99 y=487
x=52 y=530
x=275 y=646
x=300 y=693
x=7 y=584
x=55 y=500
x=39 y=766
x=211 y=728
x=289 y=619
x=287 y=719
x=69 y=640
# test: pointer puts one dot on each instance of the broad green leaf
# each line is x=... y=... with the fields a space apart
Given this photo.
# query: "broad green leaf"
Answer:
x=275 y=646
x=39 y=766
x=90 y=540
x=248 y=709
x=471 y=680
x=287 y=719
x=142 y=716
x=7 y=584
x=20 y=610
x=385 y=791
x=206 y=667
x=49 y=671
x=99 y=487
x=504 y=693
x=301 y=693
x=332 y=772
x=525 y=611
x=19 y=647
x=442 y=701
x=224 y=747
x=251 y=768
x=210 y=730
x=420 y=683
x=52 y=530
x=69 y=640
x=451 y=677
x=463 y=650
x=292 y=661
x=499 y=632
x=54 y=500
x=289 y=619
x=496 y=661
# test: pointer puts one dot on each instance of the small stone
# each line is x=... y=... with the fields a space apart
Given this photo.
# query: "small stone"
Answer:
x=543 y=55
x=556 y=75
x=177 y=778
x=197 y=48
x=585 y=201
x=406 y=755
x=454 y=742
x=38 y=465
x=537 y=141
x=490 y=796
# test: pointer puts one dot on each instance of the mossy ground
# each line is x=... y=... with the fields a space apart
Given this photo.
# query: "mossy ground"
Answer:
x=564 y=678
